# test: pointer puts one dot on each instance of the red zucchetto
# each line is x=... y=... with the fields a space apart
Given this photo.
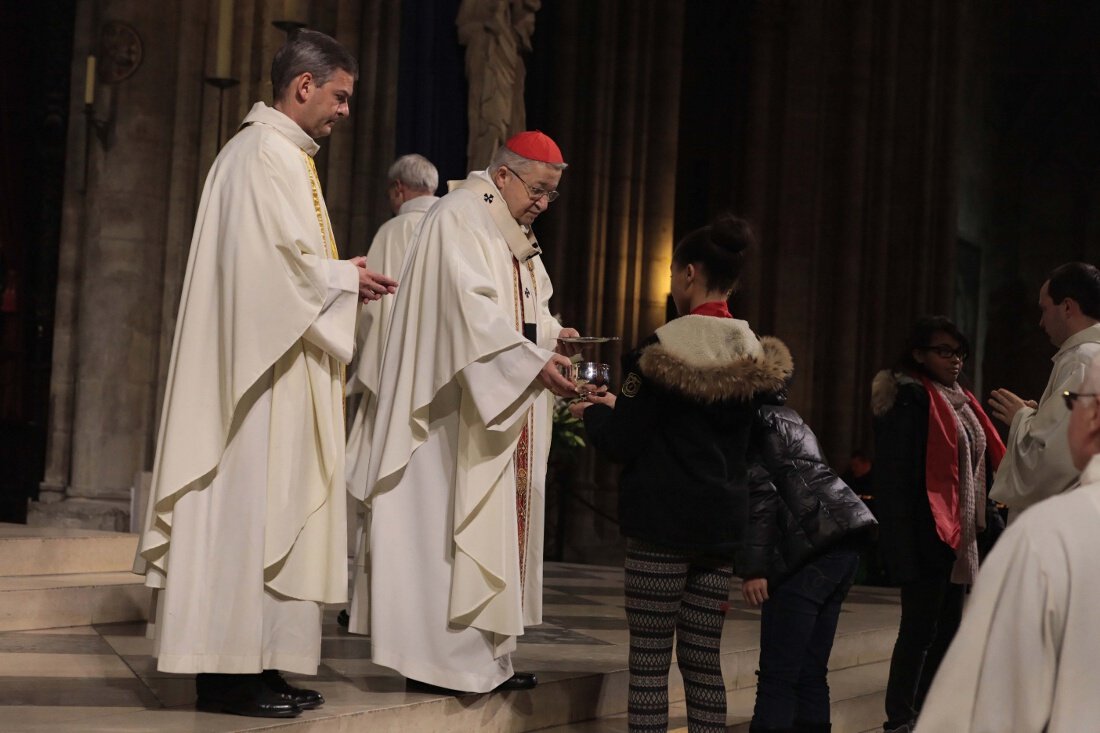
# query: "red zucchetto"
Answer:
x=535 y=145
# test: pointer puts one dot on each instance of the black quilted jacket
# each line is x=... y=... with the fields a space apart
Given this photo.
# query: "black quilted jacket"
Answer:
x=682 y=425
x=799 y=507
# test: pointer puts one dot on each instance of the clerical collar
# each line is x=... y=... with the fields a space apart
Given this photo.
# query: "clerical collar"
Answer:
x=716 y=308
x=420 y=203
x=264 y=115
x=521 y=240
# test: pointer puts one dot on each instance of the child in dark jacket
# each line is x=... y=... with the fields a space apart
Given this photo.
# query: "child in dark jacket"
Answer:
x=800 y=557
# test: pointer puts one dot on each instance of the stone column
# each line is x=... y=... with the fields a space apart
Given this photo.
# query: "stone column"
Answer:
x=127 y=224
x=112 y=273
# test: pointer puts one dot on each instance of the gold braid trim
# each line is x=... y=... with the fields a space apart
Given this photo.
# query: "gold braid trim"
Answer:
x=522 y=456
x=327 y=237
x=330 y=250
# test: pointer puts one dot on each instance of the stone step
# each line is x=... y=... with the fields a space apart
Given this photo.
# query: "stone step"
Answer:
x=857 y=695
x=30 y=602
x=567 y=699
x=56 y=550
x=857 y=705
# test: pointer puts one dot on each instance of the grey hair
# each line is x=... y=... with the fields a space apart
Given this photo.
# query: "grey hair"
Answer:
x=505 y=157
x=415 y=171
x=312 y=52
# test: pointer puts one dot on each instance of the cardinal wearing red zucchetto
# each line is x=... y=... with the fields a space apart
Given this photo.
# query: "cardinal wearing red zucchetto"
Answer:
x=461 y=433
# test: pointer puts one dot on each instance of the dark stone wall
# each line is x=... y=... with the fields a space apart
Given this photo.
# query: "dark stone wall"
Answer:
x=33 y=123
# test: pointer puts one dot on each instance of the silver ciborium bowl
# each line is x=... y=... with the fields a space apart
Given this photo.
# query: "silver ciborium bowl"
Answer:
x=589 y=376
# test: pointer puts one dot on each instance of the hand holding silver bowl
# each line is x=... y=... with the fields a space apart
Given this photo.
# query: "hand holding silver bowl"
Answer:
x=590 y=376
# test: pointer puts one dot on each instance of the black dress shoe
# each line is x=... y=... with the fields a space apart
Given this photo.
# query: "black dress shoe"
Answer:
x=306 y=699
x=518 y=681
x=242 y=694
x=343 y=618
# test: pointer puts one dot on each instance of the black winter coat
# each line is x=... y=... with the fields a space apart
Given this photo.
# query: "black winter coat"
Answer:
x=908 y=542
x=800 y=507
x=681 y=425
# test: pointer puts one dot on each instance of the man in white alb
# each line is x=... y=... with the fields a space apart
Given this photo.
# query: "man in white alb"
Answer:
x=461 y=431
x=1025 y=656
x=245 y=535
x=1038 y=464
x=413 y=181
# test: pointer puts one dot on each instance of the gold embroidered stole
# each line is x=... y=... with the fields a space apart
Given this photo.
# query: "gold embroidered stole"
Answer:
x=522 y=457
x=328 y=246
x=328 y=239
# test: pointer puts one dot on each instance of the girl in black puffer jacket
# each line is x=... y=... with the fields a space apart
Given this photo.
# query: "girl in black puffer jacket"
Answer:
x=800 y=555
x=681 y=425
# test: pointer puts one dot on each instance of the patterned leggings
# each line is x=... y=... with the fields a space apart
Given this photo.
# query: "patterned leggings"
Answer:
x=671 y=593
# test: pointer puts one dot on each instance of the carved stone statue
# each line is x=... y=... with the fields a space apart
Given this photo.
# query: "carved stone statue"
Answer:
x=496 y=34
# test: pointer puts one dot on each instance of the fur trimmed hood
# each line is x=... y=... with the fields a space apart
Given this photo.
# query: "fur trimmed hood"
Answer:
x=712 y=359
x=884 y=390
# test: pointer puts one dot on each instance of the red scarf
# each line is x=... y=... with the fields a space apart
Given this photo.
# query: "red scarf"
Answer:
x=716 y=308
x=942 y=460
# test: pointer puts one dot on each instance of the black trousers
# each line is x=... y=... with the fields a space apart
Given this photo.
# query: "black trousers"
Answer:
x=797 y=627
x=931 y=609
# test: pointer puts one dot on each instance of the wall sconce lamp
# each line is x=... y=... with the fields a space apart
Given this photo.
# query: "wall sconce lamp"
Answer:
x=288 y=26
x=101 y=128
x=221 y=80
x=294 y=11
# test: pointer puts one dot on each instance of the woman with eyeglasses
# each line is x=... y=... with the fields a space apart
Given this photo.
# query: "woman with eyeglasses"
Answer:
x=935 y=454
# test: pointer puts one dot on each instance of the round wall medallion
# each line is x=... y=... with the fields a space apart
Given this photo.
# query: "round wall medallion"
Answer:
x=120 y=51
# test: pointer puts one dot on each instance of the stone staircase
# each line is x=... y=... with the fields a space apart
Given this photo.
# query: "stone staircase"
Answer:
x=55 y=577
x=52 y=578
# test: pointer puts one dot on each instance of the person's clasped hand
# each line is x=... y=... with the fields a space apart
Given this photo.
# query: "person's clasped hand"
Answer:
x=372 y=285
x=1004 y=405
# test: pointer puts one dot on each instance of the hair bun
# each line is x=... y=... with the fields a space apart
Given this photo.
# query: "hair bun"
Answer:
x=731 y=233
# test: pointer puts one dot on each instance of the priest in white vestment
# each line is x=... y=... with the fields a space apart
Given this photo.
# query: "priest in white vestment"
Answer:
x=461 y=432
x=1024 y=659
x=245 y=536
x=1037 y=464
x=413 y=181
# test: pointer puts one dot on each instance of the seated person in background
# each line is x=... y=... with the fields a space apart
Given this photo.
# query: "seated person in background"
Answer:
x=860 y=478
x=858 y=475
